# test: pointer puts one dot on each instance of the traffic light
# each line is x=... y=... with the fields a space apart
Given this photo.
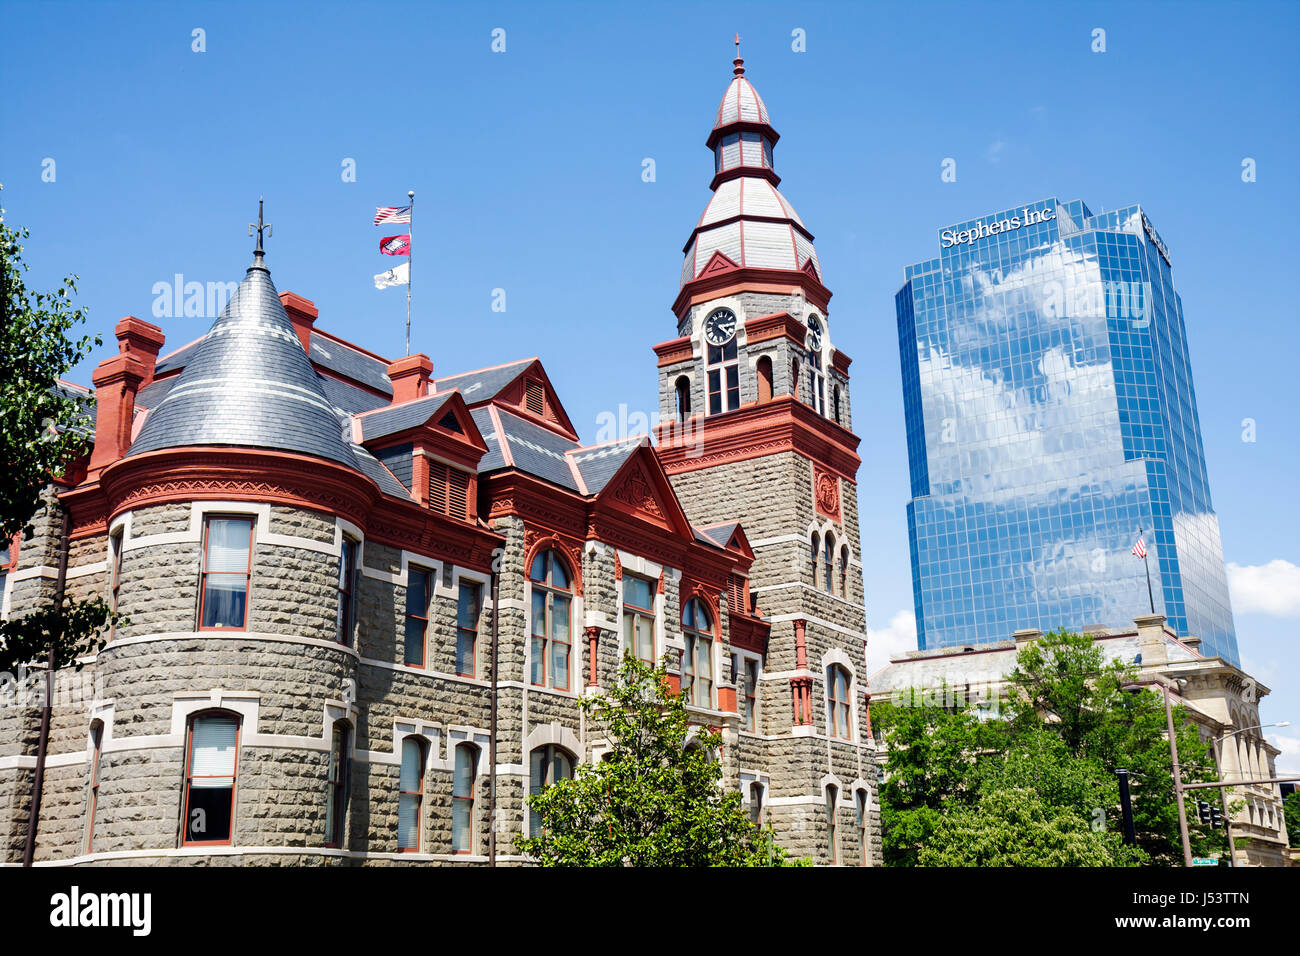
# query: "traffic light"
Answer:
x=1216 y=817
x=1203 y=809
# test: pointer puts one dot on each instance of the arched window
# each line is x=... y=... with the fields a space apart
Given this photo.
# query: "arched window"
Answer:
x=815 y=555
x=839 y=721
x=756 y=803
x=835 y=405
x=336 y=810
x=552 y=590
x=697 y=662
x=795 y=390
x=860 y=808
x=682 y=393
x=411 y=799
x=764 y=370
x=92 y=796
x=724 y=378
x=828 y=564
x=832 y=838
x=546 y=765
x=462 y=799
x=844 y=572
x=211 y=758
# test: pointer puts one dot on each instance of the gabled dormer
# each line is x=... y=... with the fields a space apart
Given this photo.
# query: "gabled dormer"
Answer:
x=522 y=387
x=432 y=446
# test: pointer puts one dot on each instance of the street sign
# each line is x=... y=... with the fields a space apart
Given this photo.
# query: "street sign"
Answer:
x=1204 y=861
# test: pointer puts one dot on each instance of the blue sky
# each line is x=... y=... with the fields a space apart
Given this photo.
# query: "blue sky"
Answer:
x=527 y=167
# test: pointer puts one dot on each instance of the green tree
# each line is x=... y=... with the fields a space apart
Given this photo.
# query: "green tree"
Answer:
x=1039 y=787
x=655 y=799
x=932 y=759
x=1019 y=827
x=43 y=431
x=1291 y=813
x=1063 y=684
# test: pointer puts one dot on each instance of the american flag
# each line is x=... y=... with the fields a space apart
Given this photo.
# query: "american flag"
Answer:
x=393 y=214
x=1139 y=549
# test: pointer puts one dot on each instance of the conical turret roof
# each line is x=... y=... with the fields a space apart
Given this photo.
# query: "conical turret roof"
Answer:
x=249 y=384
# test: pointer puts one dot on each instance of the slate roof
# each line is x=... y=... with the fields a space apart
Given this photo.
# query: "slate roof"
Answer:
x=350 y=363
x=484 y=384
x=534 y=449
x=718 y=535
x=348 y=398
x=401 y=417
x=250 y=384
x=599 y=465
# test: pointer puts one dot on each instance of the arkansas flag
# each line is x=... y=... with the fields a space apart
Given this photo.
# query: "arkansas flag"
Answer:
x=395 y=245
x=398 y=276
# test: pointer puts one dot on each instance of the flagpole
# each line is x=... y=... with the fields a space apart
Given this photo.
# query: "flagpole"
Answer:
x=410 y=254
x=1145 y=564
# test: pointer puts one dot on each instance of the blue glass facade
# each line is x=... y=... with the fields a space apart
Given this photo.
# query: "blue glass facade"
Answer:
x=1050 y=415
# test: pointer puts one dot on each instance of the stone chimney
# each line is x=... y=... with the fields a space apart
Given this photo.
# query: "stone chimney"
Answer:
x=1151 y=639
x=117 y=381
x=410 y=377
x=303 y=314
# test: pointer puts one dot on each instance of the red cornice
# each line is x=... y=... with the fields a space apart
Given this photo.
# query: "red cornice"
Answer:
x=775 y=326
x=840 y=362
x=731 y=282
x=756 y=431
x=674 y=351
x=176 y=475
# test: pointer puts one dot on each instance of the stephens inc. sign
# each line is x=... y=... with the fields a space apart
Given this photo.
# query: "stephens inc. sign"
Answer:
x=1026 y=217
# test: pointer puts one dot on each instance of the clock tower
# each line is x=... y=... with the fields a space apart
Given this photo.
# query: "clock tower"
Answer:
x=754 y=400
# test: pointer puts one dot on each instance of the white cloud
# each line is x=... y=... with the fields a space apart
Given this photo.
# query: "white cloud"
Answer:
x=1272 y=588
x=1288 y=761
x=994 y=152
x=891 y=641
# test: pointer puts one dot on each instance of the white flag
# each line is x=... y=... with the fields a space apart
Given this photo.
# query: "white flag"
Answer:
x=397 y=276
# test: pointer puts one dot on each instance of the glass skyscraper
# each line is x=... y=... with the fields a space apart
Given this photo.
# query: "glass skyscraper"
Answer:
x=1050 y=416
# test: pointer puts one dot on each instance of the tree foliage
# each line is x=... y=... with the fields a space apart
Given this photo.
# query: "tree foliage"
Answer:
x=1039 y=787
x=42 y=431
x=655 y=799
x=1291 y=814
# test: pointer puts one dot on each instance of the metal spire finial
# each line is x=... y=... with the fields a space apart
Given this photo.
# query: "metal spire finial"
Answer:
x=259 y=226
x=738 y=63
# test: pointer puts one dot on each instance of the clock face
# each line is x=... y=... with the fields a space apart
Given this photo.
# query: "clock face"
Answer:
x=814 y=333
x=719 y=327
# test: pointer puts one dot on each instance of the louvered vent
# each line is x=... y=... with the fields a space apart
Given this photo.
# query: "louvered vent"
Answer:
x=535 y=397
x=736 y=596
x=458 y=494
x=448 y=490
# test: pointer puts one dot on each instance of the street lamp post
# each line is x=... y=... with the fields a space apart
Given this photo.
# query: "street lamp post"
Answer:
x=1223 y=791
x=1178 y=773
x=1178 y=779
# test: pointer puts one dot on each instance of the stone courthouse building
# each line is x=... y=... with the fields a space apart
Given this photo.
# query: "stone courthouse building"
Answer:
x=305 y=537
